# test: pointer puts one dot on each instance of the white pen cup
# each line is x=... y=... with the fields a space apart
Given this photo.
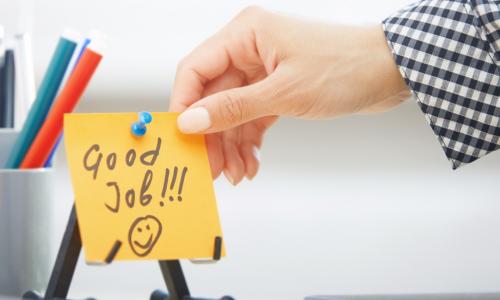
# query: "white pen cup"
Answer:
x=26 y=207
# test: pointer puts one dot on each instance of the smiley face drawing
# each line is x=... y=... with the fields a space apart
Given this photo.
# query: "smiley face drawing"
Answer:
x=143 y=234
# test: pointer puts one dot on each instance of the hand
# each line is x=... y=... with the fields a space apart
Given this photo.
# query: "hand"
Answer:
x=262 y=65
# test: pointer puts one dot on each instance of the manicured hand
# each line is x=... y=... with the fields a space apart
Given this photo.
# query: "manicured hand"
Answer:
x=263 y=65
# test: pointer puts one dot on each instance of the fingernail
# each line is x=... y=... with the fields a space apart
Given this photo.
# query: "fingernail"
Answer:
x=194 y=120
x=256 y=153
x=228 y=176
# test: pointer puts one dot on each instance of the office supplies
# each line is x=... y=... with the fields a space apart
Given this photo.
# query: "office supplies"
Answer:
x=46 y=94
x=25 y=77
x=84 y=46
x=80 y=48
x=23 y=231
x=153 y=193
x=67 y=258
x=171 y=216
x=2 y=55
x=7 y=138
x=47 y=137
x=25 y=223
x=7 y=90
x=139 y=127
x=48 y=162
x=2 y=44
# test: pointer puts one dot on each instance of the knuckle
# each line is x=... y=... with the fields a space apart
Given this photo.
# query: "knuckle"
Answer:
x=232 y=109
x=182 y=64
x=250 y=12
x=252 y=17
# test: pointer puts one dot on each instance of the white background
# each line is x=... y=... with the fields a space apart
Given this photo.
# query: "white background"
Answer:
x=356 y=205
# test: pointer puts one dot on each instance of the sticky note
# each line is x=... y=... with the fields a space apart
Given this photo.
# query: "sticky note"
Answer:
x=153 y=193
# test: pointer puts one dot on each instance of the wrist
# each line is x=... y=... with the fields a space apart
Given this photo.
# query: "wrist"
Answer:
x=389 y=88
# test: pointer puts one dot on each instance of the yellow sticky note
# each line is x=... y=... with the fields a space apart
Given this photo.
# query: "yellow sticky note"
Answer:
x=153 y=193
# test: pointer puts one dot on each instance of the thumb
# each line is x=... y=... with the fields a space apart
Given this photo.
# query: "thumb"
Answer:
x=229 y=108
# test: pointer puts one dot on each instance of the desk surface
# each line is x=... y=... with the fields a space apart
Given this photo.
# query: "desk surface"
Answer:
x=482 y=296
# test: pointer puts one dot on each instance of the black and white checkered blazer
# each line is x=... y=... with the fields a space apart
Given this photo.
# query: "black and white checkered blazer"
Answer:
x=448 y=52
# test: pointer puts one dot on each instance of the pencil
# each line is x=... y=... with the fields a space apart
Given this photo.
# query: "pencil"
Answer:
x=65 y=103
x=46 y=94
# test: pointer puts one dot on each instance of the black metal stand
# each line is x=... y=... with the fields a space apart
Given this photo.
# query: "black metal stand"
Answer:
x=67 y=258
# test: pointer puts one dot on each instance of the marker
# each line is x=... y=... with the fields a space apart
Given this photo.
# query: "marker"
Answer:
x=65 y=103
x=84 y=45
x=3 y=101
x=7 y=90
x=80 y=48
x=46 y=94
x=2 y=44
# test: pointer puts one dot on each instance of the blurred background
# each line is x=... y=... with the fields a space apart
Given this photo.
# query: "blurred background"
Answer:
x=365 y=204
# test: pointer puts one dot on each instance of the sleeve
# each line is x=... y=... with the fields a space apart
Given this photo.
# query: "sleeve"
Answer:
x=448 y=52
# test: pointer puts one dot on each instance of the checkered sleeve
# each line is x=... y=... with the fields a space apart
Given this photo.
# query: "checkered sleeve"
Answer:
x=448 y=52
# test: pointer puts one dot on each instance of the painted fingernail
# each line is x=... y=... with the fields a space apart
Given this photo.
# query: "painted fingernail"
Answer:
x=229 y=177
x=194 y=120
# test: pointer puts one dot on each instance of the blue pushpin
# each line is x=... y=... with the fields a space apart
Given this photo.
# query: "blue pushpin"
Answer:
x=139 y=127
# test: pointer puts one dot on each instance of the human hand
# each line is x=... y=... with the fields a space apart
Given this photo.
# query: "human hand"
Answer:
x=262 y=65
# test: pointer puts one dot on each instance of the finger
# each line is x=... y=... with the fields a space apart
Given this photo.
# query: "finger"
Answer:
x=230 y=108
x=232 y=78
x=215 y=153
x=250 y=155
x=206 y=62
x=253 y=132
x=234 y=167
x=252 y=135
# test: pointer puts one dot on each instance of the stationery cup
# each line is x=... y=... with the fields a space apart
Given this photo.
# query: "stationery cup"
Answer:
x=26 y=206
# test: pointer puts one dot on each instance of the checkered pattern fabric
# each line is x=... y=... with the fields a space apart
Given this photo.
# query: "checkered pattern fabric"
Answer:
x=449 y=55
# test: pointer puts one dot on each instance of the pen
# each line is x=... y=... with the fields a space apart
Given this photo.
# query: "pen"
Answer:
x=65 y=103
x=2 y=44
x=48 y=162
x=46 y=94
x=25 y=73
x=7 y=91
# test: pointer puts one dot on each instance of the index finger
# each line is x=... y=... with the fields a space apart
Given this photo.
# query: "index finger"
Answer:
x=206 y=62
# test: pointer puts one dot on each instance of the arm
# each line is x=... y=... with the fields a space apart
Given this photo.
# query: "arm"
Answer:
x=263 y=65
x=449 y=55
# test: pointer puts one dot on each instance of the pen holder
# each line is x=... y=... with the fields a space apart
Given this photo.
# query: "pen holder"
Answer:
x=26 y=206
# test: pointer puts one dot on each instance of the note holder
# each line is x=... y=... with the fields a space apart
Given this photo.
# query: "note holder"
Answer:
x=67 y=258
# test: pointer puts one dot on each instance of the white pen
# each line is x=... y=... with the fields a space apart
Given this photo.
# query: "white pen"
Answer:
x=26 y=72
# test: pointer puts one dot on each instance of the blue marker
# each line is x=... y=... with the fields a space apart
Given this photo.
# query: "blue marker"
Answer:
x=139 y=127
x=48 y=163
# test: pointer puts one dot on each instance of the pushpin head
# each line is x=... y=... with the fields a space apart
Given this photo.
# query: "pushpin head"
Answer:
x=145 y=117
x=138 y=129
